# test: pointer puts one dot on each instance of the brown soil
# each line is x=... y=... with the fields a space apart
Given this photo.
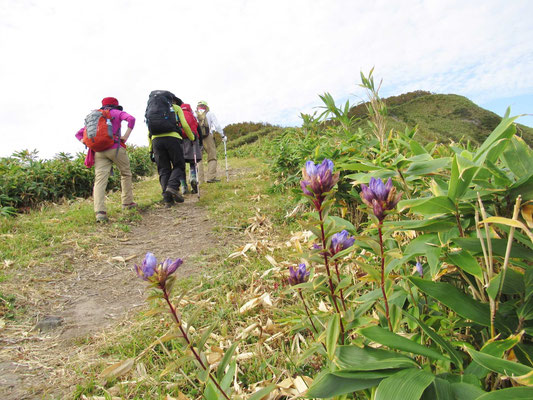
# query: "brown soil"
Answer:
x=100 y=291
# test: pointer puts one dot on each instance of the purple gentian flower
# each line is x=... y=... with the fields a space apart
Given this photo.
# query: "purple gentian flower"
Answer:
x=380 y=196
x=148 y=267
x=299 y=275
x=157 y=273
x=419 y=269
x=340 y=241
x=318 y=180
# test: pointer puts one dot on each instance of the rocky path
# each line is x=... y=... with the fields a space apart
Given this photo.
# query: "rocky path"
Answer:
x=100 y=291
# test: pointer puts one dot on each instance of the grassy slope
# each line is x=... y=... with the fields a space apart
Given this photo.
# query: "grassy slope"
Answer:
x=441 y=117
x=244 y=213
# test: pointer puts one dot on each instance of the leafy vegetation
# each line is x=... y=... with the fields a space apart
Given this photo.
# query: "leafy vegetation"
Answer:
x=393 y=267
x=417 y=288
x=236 y=130
x=421 y=301
x=26 y=181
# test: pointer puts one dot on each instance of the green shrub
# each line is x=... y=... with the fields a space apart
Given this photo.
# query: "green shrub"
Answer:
x=235 y=131
x=26 y=181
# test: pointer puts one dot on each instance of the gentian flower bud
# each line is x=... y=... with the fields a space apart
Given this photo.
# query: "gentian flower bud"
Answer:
x=299 y=275
x=318 y=180
x=381 y=197
x=419 y=269
x=167 y=268
x=340 y=241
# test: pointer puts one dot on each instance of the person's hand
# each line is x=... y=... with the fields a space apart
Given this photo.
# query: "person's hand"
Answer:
x=152 y=157
x=224 y=139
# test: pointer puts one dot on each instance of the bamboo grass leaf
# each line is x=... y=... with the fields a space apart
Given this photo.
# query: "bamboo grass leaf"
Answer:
x=514 y=393
x=397 y=342
x=499 y=365
x=332 y=335
x=454 y=354
x=408 y=384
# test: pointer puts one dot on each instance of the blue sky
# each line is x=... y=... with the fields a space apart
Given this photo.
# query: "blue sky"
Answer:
x=251 y=60
x=519 y=105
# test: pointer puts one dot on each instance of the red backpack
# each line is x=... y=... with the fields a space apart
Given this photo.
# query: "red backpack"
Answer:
x=98 y=132
x=191 y=119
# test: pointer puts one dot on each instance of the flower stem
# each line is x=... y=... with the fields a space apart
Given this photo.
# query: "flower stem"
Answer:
x=309 y=316
x=458 y=221
x=189 y=344
x=341 y=294
x=307 y=311
x=383 y=275
x=328 y=271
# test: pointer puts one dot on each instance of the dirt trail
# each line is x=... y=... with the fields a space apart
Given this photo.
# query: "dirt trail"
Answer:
x=100 y=292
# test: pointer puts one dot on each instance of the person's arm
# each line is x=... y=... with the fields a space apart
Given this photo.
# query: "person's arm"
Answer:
x=125 y=137
x=79 y=134
x=184 y=123
x=124 y=116
x=150 y=147
x=214 y=126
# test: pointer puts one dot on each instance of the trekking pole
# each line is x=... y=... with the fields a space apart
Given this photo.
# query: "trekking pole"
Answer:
x=226 y=156
x=196 y=171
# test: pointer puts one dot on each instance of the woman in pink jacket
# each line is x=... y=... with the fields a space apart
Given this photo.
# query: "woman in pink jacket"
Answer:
x=115 y=154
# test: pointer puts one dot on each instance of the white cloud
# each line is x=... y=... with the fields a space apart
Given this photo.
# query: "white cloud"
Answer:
x=251 y=60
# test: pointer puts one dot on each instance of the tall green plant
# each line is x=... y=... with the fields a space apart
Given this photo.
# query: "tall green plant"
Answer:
x=440 y=304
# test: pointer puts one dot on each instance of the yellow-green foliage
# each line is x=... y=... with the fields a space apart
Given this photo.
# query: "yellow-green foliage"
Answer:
x=440 y=117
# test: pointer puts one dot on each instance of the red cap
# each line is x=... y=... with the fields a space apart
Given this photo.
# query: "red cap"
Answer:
x=109 y=101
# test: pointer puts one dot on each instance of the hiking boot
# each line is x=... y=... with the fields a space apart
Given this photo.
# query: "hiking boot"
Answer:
x=168 y=200
x=194 y=186
x=129 y=206
x=178 y=198
x=213 y=180
x=101 y=216
x=185 y=190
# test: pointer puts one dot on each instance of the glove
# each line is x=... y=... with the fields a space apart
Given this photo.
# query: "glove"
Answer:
x=152 y=157
x=224 y=139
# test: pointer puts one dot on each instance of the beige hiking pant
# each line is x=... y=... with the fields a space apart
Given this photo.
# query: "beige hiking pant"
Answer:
x=103 y=161
x=211 y=150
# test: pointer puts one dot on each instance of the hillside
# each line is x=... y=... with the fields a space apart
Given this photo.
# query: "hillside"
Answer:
x=440 y=117
x=288 y=274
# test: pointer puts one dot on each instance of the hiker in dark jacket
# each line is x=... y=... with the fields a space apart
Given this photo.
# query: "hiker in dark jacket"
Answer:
x=192 y=150
x=168 y=155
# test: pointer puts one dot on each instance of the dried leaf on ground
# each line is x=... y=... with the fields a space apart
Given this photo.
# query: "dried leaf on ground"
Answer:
x=294 y=386
x=118 y=369
x=271 y=260
x=264 y=300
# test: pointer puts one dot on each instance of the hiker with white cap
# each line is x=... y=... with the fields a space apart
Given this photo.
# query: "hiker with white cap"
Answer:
x=208 y=125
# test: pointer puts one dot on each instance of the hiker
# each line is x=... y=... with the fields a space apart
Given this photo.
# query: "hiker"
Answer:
x=192 y=150
x=209 y=125
x=101 y=135
x=166 y=125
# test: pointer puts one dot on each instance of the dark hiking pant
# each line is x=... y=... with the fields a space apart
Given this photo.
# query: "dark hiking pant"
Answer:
x=168 y=155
